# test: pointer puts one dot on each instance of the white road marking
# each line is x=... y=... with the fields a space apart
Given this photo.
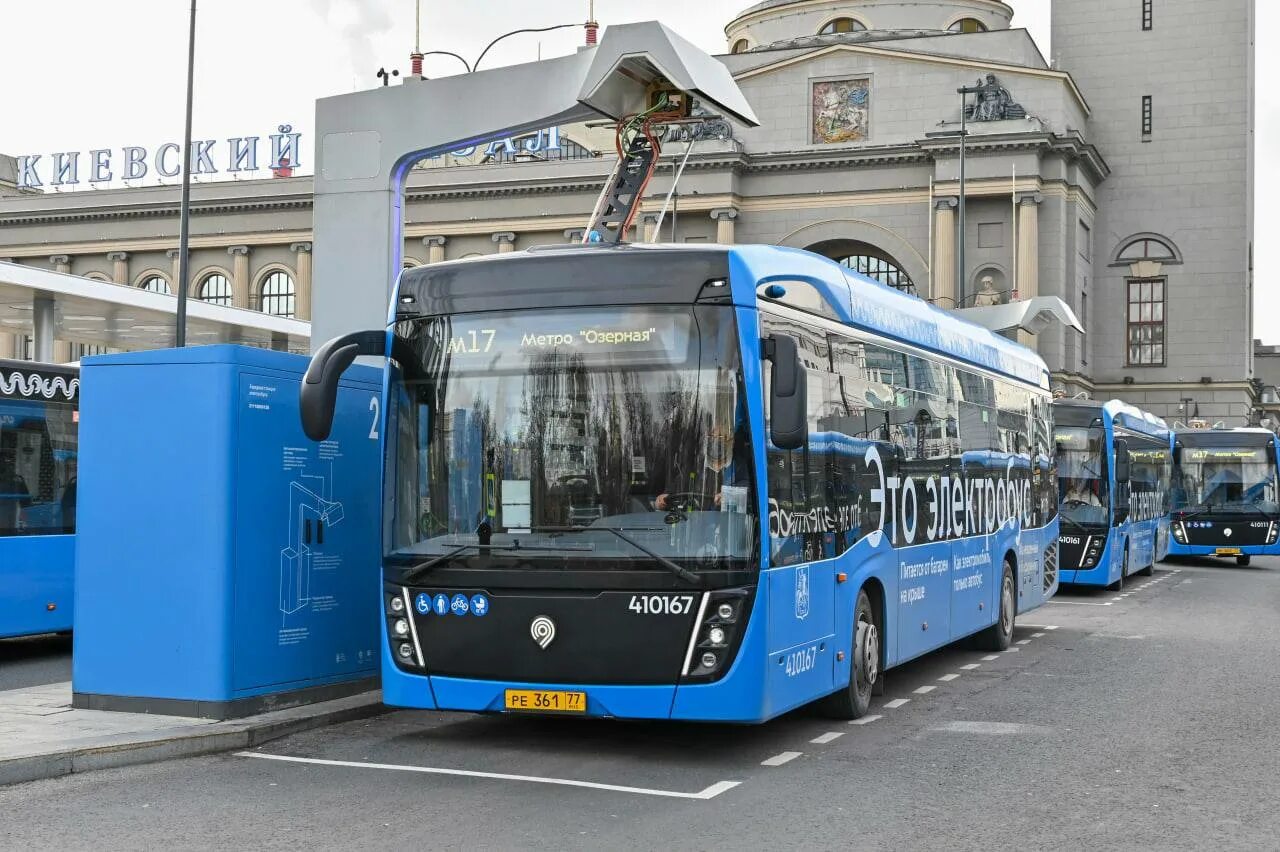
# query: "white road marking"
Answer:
x=1024 y=641
x=1077 y=603
x=971 y=666
x=827 y=737
x=779 y=759
x=1051 y=627
x=996 y=728
x=924 y=690
x=709 y=793
x=1012 y=650
x=947 y=678
x=896 y=703
x=989 y=657
x=1036 y=635
x=866 y=720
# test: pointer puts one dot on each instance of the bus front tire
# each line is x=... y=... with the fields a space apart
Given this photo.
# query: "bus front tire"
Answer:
x=1118 y=585
x=999 y=636
x=854 y=700
x=1243 y=561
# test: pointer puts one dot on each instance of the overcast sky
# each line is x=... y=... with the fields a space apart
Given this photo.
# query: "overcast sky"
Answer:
x=84 y=74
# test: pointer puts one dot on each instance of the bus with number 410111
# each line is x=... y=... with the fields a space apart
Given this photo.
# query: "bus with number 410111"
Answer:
x=702 y=483
x=1225 y=499
x=1114 y=468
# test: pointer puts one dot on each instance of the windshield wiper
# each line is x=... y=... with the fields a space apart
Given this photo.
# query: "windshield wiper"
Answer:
x=674 y=567
x=422 y=569
x=1073 y=522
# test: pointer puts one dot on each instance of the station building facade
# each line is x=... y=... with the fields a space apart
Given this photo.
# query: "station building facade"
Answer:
x=1117 y=175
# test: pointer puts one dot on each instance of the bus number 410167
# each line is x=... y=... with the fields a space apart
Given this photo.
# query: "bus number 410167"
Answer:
x=661 y=604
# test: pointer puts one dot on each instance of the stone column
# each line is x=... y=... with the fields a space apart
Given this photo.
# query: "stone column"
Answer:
x=8 y=346
x=302 y=302
x=61 y=263
x=119 y=266
x=506 y=241
x=1028 y=281
x=239 y=275
x=42 y=328
x=1029 y=245
x=648 y=226
x=943 y=290
x=724 y=218
x=175 y=271
x=435 y=248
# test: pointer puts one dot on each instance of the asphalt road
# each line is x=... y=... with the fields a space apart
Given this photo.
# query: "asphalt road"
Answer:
x=1142 y=721
x=34 y=661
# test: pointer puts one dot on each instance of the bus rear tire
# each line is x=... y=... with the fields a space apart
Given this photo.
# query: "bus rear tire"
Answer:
x=1243 y=561
x=1148 y=571
x=854 y=700
x=999 y=636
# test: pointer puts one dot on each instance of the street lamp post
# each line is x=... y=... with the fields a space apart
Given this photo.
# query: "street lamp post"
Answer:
x=964 y=92
x=184 y=212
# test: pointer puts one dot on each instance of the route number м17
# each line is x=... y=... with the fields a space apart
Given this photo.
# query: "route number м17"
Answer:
x=661 y=604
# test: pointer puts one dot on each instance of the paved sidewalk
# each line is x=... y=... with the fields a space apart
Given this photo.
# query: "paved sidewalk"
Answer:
x=43 y=736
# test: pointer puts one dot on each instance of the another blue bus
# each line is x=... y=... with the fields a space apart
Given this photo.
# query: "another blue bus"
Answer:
x=705 y=483
x=39 y=421
x=1114 y=469
x=1225 y=494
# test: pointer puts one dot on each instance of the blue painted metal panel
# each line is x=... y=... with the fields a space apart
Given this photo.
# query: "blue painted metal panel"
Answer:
x=35 y=574
x=183 y=560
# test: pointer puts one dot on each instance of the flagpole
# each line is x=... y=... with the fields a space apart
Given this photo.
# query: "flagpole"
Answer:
x=184 y=209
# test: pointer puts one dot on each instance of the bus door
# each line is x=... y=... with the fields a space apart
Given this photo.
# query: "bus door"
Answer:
x=1120 y=517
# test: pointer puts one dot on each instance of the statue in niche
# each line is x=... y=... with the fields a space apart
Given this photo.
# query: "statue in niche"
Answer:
x=993 y=102
x=988 y=295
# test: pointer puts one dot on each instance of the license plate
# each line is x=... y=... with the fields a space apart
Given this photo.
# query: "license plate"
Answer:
x=1227 y=551
x=546 y=701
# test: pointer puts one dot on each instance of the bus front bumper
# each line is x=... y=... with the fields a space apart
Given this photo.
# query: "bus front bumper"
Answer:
x=1224 y=550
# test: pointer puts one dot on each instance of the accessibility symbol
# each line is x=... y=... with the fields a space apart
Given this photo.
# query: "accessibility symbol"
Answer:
x=479 y=605
x=460 y=605
x=422 y=603
x=440 y=603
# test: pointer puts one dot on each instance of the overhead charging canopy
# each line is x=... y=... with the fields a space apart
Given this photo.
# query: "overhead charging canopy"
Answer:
x=367 y=142
x=1031 y=315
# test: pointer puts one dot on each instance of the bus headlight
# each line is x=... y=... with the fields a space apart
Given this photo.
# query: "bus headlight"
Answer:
x=1271 y=533
x=716 y=633
x=396 y=604
x=1093 y=551
x=401 y=627
x=1180 y=532
x=405 y=650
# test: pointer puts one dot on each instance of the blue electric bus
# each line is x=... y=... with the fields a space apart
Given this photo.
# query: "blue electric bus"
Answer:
x=39 y=420
x=1114 y=469
x=705 y=483
x=1225 y=499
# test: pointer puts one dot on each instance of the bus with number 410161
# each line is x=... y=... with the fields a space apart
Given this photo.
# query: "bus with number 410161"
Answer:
x=711 y=483
x=1225 y=498
x=1114 y=468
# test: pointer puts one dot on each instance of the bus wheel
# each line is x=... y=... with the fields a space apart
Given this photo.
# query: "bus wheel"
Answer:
x=1118 y=585
x=999 y=636
x=1243 y=561
x=854 y=701
x=1150 y=569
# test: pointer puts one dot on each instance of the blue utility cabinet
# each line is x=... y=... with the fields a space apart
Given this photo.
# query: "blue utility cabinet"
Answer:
x=226 y=564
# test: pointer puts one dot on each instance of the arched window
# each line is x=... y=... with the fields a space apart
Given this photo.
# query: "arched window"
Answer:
x=842 y=25
x=740 y=46
x=884 y=271
x=1147 y=247
x=215 y=289
x=155 y=284
x=278 y=294
x=968 y=25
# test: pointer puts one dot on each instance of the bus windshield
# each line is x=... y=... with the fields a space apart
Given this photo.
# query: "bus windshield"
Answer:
x=1228 y=477
x=601 y=437
x=1082 y=474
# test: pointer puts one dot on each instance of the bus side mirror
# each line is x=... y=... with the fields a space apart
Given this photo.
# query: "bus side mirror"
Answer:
x=319 y=392
x=1122 y=461
x=788 y=393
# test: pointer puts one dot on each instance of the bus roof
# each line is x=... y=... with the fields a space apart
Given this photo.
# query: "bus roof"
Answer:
x=865 y=303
